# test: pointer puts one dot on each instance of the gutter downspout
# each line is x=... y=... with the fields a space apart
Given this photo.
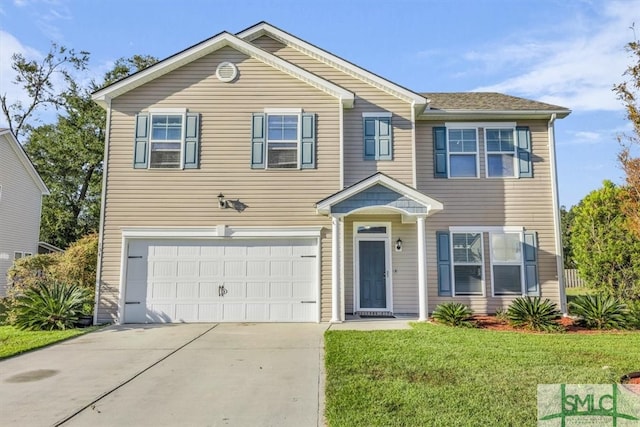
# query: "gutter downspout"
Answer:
x=556 y=214
x=414 y=161
x=105 y=172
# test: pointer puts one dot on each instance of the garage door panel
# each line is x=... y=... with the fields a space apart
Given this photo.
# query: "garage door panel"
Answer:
x=181 y=281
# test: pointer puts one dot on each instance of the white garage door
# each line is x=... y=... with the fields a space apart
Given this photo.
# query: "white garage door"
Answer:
x=221 y=281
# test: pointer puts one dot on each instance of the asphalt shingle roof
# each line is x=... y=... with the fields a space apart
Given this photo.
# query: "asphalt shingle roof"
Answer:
x=488 y=101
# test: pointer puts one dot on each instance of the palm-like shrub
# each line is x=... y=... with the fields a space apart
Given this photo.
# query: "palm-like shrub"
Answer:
x=598 y=311
x=49 y=306
x=534 y=314
x=453 y=314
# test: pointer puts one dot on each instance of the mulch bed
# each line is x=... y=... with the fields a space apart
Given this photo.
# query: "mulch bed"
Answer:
x=492 y=323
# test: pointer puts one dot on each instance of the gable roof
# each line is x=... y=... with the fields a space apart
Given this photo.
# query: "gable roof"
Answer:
x=324 y=206
x=24 y=159
x=104 y=95
x=487 y=103
x=264 y=28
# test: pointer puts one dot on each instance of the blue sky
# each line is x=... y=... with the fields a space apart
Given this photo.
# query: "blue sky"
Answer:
x=566 y=52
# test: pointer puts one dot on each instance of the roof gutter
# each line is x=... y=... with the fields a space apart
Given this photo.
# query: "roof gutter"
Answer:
x=439 y=114
x=556 y=214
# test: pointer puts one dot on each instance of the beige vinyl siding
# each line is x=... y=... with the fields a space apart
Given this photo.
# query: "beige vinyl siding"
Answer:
x=525 y=202
x=184 y=198
x=404 y=270
x=368 y=99
x=20 y=203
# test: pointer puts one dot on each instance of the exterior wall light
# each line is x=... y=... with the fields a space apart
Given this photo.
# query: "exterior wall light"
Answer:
x=222 y=203
x=399 y=245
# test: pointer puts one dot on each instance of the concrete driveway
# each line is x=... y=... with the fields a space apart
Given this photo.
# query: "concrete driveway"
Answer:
x=176 y=374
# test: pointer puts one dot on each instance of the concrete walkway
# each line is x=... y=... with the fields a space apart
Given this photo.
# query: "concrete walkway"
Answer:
x=167 y=375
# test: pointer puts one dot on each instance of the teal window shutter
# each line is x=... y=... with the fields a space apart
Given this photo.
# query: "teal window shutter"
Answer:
x=378 y=138
x=440 y=152
x=444 y=263
x=530 y=251
x=523 y=136
x=192 y=141
x=308 y=157
x=258 y=140
x=141 y=141
x=370 y=138
x=385 y=143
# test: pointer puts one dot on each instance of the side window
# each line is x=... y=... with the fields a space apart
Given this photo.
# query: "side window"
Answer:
x=283 y=140
x=166 y=140
x=467 y=251
x=506 y=263
x=501 y=153
x=17 y=255
x=377 y=136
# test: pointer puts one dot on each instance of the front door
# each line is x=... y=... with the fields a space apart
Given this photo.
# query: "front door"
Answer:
x=373 y=274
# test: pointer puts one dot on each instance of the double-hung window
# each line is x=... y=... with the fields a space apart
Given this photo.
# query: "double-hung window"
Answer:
x=463 y=153
x=506 y=262
x=166 y=139
x=467 y=263
x=283 y=139
x=501 y=152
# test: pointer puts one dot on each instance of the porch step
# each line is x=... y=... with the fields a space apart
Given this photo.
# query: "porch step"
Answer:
x=375 y=314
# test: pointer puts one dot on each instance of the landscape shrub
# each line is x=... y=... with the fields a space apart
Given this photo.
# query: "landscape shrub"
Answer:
x=453 y=314
x=599 y=311
x=535 y=314
x=55 y=306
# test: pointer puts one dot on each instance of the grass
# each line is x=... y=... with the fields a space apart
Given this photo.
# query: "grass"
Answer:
x=436 y=375
x=14 y=341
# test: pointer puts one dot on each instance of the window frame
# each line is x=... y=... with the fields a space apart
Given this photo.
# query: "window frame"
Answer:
x=514 y=153
x=283 y=112
x=462 y=127
x=17 y=255
x=182 y=112
x=520 y=263
x=454 y=292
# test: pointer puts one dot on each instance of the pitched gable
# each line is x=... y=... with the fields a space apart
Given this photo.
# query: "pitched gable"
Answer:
x=7 y=137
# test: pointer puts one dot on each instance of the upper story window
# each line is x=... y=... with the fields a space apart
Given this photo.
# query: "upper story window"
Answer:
x=457 y=150
x=166 y=139
x=378 y=136
x=283 y=139
x=501 y=152
x=463 y=153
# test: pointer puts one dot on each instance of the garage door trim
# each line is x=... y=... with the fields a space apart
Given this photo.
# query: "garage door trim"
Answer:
x=220 y=233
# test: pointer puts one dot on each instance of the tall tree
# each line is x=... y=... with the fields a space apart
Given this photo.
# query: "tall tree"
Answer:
x=566 y=223
x=68 y=153
x=629 y=92
x=606 y=254
x=41 y=80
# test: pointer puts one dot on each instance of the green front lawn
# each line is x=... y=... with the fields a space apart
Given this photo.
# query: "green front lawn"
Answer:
x=14 y=341
x=436 y=375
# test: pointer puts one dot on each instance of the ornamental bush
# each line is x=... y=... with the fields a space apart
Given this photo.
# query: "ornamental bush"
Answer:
x=454 y=314
x=534 y=314
x=597 y=311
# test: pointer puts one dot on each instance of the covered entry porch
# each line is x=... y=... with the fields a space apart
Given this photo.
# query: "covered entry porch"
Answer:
x=378 y=248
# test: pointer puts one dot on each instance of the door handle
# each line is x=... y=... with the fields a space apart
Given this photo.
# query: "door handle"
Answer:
x=222 y=291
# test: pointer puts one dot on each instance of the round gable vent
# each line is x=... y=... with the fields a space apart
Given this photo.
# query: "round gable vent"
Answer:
x=226 y=72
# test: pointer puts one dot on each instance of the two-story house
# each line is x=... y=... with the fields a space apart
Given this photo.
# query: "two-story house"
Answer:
x=21 y=191
x=256 y=177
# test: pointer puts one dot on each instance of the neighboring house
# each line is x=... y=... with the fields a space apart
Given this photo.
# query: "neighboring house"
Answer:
x=21 y=191
x=256 y=177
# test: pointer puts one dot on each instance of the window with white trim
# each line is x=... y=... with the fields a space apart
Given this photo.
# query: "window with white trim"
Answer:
x=462 y=153
x=467 y=258
x=166 y=140
x=283 y=141
x=17 y=255
x=506 y=263
x=501 y=152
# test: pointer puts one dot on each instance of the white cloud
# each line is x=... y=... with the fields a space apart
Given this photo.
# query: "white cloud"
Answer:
x=9 y=45
x=576 y=70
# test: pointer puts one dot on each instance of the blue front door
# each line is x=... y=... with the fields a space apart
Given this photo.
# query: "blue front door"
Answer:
x=373 y=271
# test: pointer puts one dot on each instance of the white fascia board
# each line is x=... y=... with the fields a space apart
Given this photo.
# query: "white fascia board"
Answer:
x=26 y=162
x=486 y=229
x=491 y=114
x=334 y=61
x=220 y=231
x=211 y=45
x=475 y=125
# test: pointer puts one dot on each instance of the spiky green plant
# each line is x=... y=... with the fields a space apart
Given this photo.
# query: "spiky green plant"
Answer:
x=454 y=314
x=501 y=315
x=534 y=314
x=53 y=306
x=598 y=311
